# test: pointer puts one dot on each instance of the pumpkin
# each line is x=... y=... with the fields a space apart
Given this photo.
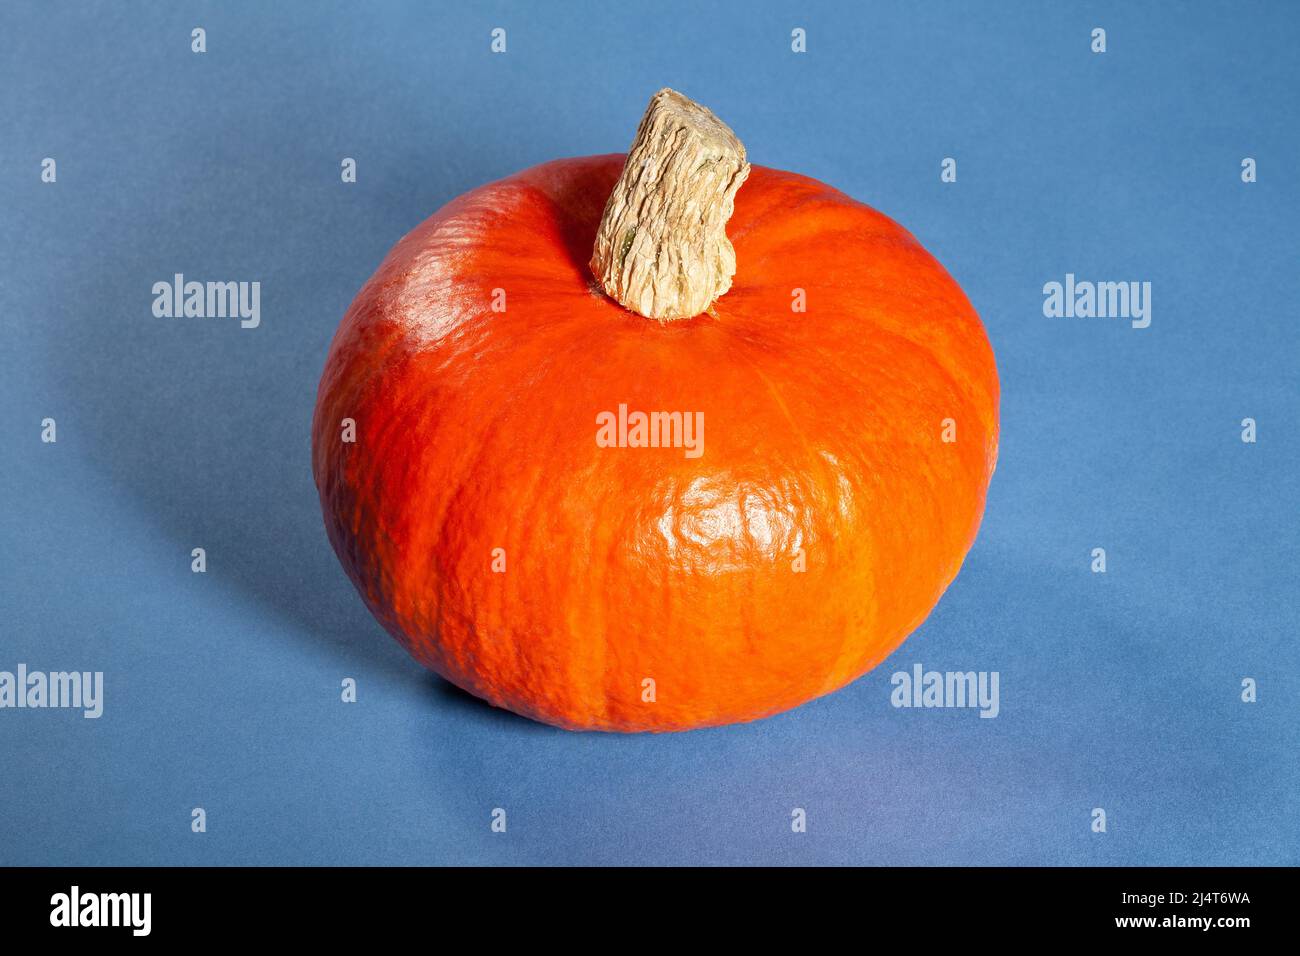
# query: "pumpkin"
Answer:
x=580 y=470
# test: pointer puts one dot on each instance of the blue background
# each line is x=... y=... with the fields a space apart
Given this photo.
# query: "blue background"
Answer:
x=1119 y=691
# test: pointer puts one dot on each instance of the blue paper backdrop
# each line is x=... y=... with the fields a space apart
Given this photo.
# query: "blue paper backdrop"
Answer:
x=1118 y=690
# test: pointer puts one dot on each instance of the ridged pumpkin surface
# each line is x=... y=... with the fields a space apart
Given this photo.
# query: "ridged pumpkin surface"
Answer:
x=475 y=430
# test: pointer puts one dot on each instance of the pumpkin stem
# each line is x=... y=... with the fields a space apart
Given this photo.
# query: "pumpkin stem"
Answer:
x=662 y=248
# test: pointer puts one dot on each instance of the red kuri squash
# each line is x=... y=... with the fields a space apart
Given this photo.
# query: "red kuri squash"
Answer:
x=604 y=520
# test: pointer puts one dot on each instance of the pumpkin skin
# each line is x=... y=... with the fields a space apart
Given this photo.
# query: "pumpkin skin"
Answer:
x=476 y=430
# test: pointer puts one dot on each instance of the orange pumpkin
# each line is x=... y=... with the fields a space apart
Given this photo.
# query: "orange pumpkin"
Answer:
x=842 y=469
